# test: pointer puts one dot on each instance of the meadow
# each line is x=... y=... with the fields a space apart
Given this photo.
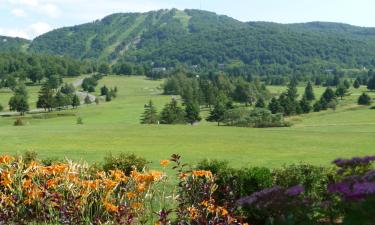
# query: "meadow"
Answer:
x=113 y=127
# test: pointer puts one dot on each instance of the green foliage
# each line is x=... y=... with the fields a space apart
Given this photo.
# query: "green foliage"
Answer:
x=259 y=118
x=11 y=44
x=192 y=111
x=76 y=101
x=19 y=122
x=241 y=182
x=150 y=115
x=364 y=99
x=172 y=113
x=207 y=40
x=29 y=156
x=19 y=102
x=341 y=91
x=309 y=92
x=1 y=108
x=371 y=83
x=104 y=91
x=260 y=103
x=79 y=121
x=125 y=162
x=357 y=83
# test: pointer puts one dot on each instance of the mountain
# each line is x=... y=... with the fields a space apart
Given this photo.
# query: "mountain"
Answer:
x=13 y=44
x=194 y=37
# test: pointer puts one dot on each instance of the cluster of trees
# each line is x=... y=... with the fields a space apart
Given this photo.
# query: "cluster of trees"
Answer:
x=20 y=67
x=172 y=113
x=19 y=101
x=108 y=93
x=50 y=97
x=89 y=83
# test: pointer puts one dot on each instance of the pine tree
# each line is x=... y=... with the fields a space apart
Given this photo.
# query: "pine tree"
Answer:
x=341 y=91
x=75 y=101
x=59 y=100
x=309 y=92
x=150 y=115
x=305 y=105
x=292 y=92
x=172 y=114
x=108 y=97
x=45 y=98
x=275 y=107
x=260 y=103
x=347 y=84
x=371 y=83
x=192 y=111
x=364 y=99
x=217 y=113
x=104 y=91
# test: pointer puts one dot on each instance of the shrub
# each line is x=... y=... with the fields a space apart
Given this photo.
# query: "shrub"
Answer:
x=19 y=122
x=259 y=118
x=51 y=161
x=125 y=162
x=1 y=108
x=236 y=183
x=79 y=121
x=364 y=99
x=29 y=156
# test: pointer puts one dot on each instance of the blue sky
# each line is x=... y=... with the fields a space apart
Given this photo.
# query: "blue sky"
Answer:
x=30 y=18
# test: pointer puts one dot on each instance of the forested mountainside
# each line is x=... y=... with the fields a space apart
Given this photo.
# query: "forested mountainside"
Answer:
x=13 y=44
x=204 y=39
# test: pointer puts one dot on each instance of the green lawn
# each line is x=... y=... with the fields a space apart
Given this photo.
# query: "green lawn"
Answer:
x=114 y=127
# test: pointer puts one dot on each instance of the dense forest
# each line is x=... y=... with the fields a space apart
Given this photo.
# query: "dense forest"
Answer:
x=16 y=67
x=207 y=41
x=13 y=44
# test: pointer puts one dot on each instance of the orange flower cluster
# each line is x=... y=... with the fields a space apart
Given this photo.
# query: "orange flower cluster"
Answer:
x=37 y=185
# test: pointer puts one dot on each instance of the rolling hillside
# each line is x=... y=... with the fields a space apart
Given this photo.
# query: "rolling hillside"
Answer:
x=165 y=38
x=13 y=44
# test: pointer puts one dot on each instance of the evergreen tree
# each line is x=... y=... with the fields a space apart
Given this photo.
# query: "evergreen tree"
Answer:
x=217 y=113
x=67 y=89
x=150 y=115
x=341 y=91
x=172 y=114
x=104 y=91
x=364 y=99
x=192 y=111
x=305 y=105
x=328 y=95
x=309 y=92
x=292 y=92
x=371 y=83
x=260 y=103
x=357 y=83
x=75 y=101
x=19 y=100
x=347 y=84
x=60 y=100
x=275 y=107
x=46 y=99
x=108 y=97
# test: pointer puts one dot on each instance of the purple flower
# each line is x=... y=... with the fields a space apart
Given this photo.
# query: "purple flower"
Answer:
x=294 y=191
x=354 y=161
x=255 y=197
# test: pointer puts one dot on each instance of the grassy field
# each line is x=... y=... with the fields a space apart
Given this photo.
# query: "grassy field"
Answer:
x=114 y=127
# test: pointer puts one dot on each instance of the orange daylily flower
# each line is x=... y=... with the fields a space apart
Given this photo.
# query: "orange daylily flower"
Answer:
x=164 y=163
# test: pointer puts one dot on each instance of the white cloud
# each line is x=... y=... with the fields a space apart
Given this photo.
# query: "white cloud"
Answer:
x=28 y=32
x=43 y=7
x=19 y=13
x=38 y=28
